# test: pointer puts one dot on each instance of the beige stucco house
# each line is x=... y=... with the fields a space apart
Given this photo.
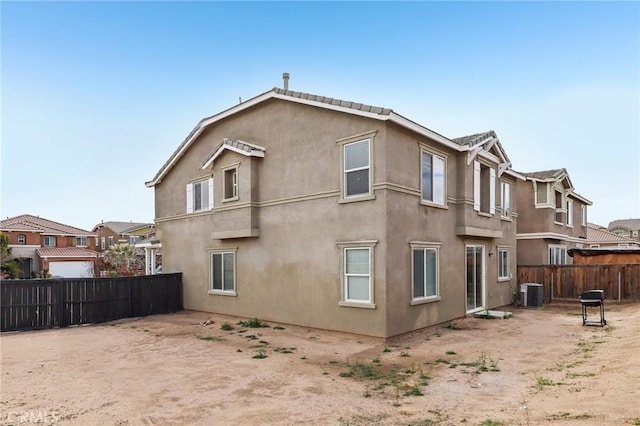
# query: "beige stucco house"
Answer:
x=313 y=211
x=552 y=218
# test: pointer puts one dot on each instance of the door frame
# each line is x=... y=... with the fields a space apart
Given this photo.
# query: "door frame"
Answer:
x=483 y=277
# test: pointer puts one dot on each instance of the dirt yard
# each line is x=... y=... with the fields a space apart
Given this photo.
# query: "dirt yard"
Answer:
x=539 y=367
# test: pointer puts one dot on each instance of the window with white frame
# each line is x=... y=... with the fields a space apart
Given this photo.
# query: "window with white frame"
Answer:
x=133 y=239
x=49 y=241
x=569 y=219
x=541 y=192
x=223 y=271
x=22 y=239
x=425 y=273
x=81 y=241
x=484 y=188
x=110 y=241
x=433 y=168
x=357 y=168
x=230 y=183
x=357 y=273
x=559 y=207
x=503 y=263
x=505 y=198
x=200 y=195
x=557 y=255
x=584 y=215
x=103 y=243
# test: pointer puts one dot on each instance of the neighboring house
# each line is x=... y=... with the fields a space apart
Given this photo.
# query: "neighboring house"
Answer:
x=152 y=254
x=42 y=245
x=552 y=218
x=111 y=233
x=599 y=237
x=319 y=212
x=628 y=228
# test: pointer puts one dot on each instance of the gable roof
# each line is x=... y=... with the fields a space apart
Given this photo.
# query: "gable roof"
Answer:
x=241 y=147
x=596 y=235
x=348 y=107
x=631 y=224
x=555 y=175
x=65 y=252
x=122 y=227
x=30 y=223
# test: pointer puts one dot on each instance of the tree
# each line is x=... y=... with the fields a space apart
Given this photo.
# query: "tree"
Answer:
x=9 y=267
x=124 y=258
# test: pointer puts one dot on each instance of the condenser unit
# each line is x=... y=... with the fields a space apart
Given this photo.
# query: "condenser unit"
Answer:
x=531 y=295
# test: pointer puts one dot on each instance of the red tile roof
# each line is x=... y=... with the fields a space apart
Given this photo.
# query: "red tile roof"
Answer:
x=65 y=252
x=602 y=236
x=27 y=222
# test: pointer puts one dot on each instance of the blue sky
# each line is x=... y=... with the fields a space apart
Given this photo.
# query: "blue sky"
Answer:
x=97 y=95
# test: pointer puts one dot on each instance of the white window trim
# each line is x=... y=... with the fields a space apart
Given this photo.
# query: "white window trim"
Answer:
x=416 y=245
x=224 y=170
x=560 y=209
x=191 y=195
x=233 y=251
x=22 y=237
x=505 y=212
x=569 y=216
x=508 y=276
x=344 y=246
x=427 y=150
x=477 y=188
x=557 y=246
x=342 y=143
x=584 y=215
x=78 y=242
x=48 y=237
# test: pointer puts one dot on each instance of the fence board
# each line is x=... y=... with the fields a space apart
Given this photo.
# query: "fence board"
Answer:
x=570 y=281
x=37 y=304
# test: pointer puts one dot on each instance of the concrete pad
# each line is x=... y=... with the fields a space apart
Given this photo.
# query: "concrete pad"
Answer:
x=493 y=314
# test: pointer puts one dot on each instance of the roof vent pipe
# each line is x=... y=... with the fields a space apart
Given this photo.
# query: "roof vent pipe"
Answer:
x=285 y=78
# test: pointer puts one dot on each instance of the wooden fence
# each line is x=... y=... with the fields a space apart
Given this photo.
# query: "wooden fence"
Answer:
x=37 y=304
x=619 y=282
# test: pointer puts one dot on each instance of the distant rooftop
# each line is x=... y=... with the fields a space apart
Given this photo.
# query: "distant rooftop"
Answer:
x=27 y=222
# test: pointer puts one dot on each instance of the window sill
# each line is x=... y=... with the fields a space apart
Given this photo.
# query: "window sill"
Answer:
x=223 y=293
x=503 y=279
x=506 y=218
x=485 y=214
x=431 y=204
x=423 y=300
x=228 y=200
x=356 y=198
x=364 y=305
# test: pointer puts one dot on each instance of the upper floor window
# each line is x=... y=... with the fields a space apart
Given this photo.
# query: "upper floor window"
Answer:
x=102 y=243
x=541 y=193
x=357 y=168
x=584 y=215
x=200 y=195
x=49 y=241
x=559 y=207
x=557 y=255
x=230 y=176
x=425 y=274
x=505 y=198
x=569 y=213
x=22 y=239
x=133 y=239
x=484 y=188
x=110 y=241
x=81 y=241
x=433 y=178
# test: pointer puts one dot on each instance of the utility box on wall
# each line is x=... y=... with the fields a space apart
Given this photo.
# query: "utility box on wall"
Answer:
x=531 y=295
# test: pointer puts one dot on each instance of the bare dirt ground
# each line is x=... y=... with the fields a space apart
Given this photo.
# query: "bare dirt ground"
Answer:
x=540 y=367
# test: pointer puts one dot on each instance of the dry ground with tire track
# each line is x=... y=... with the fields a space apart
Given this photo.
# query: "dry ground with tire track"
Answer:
x=540 y=367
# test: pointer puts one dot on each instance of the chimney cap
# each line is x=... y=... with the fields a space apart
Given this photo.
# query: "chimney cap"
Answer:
x=285 y=78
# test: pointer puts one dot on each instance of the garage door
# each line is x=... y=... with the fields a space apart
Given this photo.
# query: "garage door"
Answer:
x=71 y=269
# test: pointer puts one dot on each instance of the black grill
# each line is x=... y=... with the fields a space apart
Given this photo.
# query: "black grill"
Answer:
x=593 y=299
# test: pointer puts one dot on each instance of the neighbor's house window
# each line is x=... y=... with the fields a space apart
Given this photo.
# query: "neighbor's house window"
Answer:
x=503 y=263
x=49 y=241
x=584 y=215
x=110 y=242
x=223 y=272
x=569 y=212
x=133 y=239
x=484 y=188
x=200 y=195
x=102 y=243
x=433 y=178
x=424 y=263
x=505 y=198
x=22 y=239
x=557 y=255
x=357 y=273
x=230 y=183
x=81 y=241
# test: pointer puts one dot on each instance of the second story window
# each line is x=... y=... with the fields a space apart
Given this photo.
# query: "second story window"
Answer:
x=110 y=242
x=133 y=239
x=484 y=188
x=103 y=243
x=433 y=178
x=49 y=241
x=569 y=212
x=584 y=215
x=559 y=207
x=22 y=239
x=505 y=198
x=230 y=183
x=200 y=196
x=81 y=241
x=357 y=179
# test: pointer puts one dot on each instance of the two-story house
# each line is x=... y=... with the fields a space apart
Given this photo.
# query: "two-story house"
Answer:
x=112 y=232
x=552 y=218
x=42 y=245
x=628 y=228
x=314 y=211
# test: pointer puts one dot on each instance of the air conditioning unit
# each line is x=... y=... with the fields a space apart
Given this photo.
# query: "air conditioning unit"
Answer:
x=531 y=295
